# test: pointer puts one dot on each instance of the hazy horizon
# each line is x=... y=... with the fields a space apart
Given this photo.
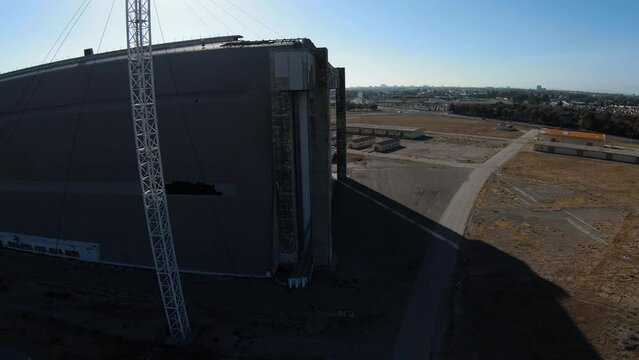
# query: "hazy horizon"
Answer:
x=486 y=87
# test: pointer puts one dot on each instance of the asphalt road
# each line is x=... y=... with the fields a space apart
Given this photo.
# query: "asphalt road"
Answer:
x=425 y=189
x=424 y=324
x=456 y=214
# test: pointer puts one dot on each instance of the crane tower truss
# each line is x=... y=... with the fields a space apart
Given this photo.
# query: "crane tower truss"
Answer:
x=147 y=145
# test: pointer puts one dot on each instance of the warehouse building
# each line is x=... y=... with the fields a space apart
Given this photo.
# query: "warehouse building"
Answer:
x=583 y=144
x=69 y=184
x=361 y=142
x=572 y=137
x=387 y=145
x=402 y=132
x=592 y=152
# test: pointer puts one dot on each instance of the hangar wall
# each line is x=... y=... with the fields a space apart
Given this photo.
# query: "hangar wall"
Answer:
x=72 y=177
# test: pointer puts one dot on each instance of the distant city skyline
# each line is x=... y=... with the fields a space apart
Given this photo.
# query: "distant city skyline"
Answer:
x=564 y=45
x=484 y=87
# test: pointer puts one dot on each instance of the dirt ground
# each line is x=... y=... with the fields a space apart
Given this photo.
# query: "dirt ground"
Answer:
x=63 y=309
x=458 y=148
x=435 y=122
x=551 y=266
x=424 y=188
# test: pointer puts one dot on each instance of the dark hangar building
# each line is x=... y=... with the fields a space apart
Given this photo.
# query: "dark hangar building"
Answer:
x=245 y=136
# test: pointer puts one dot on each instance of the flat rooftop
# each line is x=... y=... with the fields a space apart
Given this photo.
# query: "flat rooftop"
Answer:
x=575 y=134
x=383 y=127
x=204 y=44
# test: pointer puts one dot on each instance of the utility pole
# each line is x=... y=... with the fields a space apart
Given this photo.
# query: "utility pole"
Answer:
x=147 y=145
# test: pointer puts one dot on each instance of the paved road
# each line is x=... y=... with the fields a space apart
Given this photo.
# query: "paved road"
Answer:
x=421 y=334
x=456 y=214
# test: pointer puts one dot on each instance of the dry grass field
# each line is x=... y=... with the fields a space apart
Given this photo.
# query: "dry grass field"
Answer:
x=551 y=267
x=435 y=122
x=627 y=145
x=455 y=148
x=615 y=181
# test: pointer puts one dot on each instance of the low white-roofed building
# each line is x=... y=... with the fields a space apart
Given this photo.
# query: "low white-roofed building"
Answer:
x=387 y=145
x=361 y=142
x=404 y=132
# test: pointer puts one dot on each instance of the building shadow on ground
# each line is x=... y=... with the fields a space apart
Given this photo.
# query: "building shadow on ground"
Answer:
x=387 y=297
x=424 y=138
x=491 y=304
x=390 y=151
x=503 y=310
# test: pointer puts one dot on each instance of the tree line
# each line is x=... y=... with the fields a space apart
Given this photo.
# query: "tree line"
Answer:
x=351 y=106
x=566 y=117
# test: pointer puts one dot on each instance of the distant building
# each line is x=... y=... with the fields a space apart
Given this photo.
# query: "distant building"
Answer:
x=539 y=88
x=403 y=132
x=583 y=144
x=361 y=142
x=387 y=145
x=572 y=137
x=359 y=99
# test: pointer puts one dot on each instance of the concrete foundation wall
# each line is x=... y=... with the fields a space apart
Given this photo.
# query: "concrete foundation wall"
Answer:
x=565 y=150
x=595 y=154
x=625 y=158
x=322 y=247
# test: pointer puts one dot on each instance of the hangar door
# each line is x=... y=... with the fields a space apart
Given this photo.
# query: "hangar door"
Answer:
x=303 y=167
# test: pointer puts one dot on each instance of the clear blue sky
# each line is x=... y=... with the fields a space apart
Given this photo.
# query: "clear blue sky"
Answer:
x=560 y=44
